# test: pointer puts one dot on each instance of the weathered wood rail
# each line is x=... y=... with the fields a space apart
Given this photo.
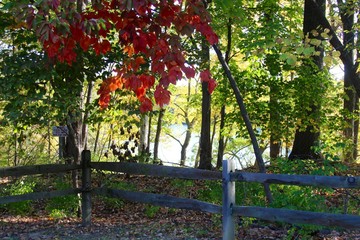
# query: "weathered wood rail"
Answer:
x=228 y=176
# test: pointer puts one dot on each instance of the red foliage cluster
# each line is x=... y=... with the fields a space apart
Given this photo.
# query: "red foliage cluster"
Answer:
x=151 y=49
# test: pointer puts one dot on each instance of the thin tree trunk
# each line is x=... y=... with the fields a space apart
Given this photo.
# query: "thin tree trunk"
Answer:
x=213 y=130
x=97 y=137
x=148 y=136
x=144 y=131
x=110 y=136
x=15 y=162
x=85 y=131
x=186 y=142
x=221 y=147
x=245 y=116
x=158 y=133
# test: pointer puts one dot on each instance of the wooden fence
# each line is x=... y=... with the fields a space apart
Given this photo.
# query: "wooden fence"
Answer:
x=228 y=176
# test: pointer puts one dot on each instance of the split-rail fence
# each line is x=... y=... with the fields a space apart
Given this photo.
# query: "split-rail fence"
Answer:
x=228 y=209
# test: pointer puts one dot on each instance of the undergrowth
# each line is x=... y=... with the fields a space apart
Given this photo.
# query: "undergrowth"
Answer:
x=247 y=194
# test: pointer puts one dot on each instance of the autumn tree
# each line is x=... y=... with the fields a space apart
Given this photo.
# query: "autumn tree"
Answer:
x=147 y=35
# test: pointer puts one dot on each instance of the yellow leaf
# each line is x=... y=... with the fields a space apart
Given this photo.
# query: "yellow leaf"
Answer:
x=328 y=60
x=336 y=53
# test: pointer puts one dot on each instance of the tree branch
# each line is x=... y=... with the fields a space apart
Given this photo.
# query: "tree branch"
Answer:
x=336 y=43
x=245 y=116
x=170 y=135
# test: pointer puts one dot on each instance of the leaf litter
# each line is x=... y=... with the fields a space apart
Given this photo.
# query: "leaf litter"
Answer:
x=142 y=221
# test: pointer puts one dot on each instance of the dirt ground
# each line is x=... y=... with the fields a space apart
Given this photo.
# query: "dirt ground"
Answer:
x=133 y=223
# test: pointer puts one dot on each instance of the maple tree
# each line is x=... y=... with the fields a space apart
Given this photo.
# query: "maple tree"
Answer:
x=149 y=33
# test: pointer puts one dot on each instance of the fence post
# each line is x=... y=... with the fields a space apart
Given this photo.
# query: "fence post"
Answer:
x=228 y=201
x=86 y=188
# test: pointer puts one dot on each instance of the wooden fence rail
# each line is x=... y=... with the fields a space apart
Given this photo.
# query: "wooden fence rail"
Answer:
x=36 y=169
x=299 y=217
x=38 y=195
x=228 y=176
x=160 y=200
x=299 y=180
x=157 y=171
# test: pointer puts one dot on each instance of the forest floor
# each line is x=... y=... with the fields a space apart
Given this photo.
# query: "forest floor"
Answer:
x=142 y=221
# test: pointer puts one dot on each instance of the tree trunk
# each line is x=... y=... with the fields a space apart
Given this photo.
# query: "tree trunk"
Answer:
x=15 y=162
x=245 y=116
x=205 y=138
x=186 y=142
x=275 y=140
x=97 y=137
x=274 y=148
x=351 y=100
x=144 y=131
x=148 y=137
x=221 y=148
x=305 y=140
x=157 y=134
x=205 y=142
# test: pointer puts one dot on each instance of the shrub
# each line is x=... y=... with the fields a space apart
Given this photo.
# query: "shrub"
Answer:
x=116 y=203
x=65 y=206
x=19 y=187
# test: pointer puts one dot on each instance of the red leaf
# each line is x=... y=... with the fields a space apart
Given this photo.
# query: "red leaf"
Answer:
x=162 y=96
x=175 y=74
x=102 y=47
x=210 y=35
x=141 y=6
x=189 y=72
x=133 y=83
x=140 y=92
x=77 y=33
x=51 y=49
x=205 y=75
x=147 y=81
x=158 y=67
x=104 y=100
x=211 y=85
x=140 y=43
x=146 y=105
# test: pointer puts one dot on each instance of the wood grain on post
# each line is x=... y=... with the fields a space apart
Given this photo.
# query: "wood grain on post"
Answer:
x=228 y=201
x=86 y=188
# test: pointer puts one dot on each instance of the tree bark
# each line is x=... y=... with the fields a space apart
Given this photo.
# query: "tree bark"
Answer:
x=158 y=133
x=186 y=142
x=304 y=142
x=336 y=43
x=351 y=99
x=205 y=138
x=97 y=137
x=144 y=131
x=221 y=148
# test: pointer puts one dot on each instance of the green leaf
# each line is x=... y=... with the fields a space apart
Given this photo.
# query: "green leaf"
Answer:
x=308 y=51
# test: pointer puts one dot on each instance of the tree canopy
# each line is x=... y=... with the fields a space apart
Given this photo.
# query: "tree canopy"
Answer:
x=147 y=32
